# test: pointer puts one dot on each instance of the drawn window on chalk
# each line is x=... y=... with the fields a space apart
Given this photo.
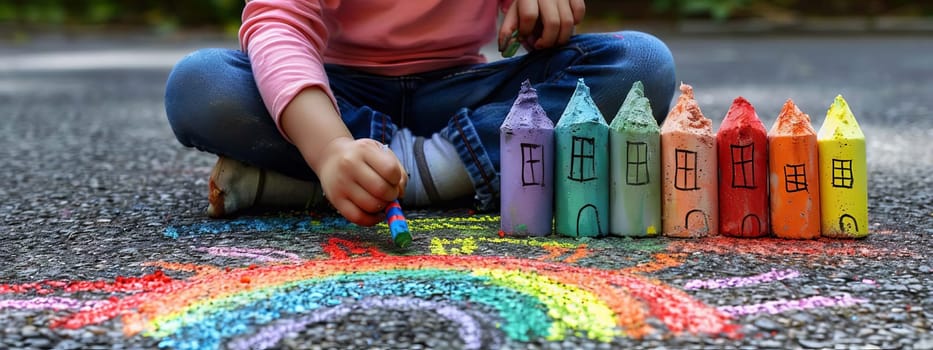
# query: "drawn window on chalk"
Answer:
x=795 y=178
x=842 y=173
x=743 y=166
x=685 y=178
x=582 y=160
x=532 y=164
x=636 y=172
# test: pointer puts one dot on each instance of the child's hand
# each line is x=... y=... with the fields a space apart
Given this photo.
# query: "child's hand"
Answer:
x=360 y=178
x=544 y=23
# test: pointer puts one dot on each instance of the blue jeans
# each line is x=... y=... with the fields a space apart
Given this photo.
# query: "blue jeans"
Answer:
x=213 y=104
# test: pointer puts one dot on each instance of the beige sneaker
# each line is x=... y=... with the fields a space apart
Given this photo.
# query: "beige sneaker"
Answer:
x=234 y=186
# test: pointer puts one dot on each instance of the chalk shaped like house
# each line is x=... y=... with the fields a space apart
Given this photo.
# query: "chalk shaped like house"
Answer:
x=742 y=146
x=689 y=187
x=635 y=168
x=843 y=174
x=526 y=140
x=581 y=196
x=793 y=157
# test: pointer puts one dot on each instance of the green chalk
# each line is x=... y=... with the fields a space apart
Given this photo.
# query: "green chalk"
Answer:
x=514 y=44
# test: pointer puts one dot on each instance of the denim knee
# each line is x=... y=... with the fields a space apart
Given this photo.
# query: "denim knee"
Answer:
x=203 y=85
x=638 y=56
x=655 y=68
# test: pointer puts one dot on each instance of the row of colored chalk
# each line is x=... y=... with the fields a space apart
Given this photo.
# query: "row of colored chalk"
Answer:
x=585 y=178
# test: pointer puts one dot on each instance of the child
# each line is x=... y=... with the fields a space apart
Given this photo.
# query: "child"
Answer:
x=301 y=114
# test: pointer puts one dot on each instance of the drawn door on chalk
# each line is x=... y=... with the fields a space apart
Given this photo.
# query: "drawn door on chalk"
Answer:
x=696 y=220
x=583 y=169
x=843 y=178
x=751 y=225
x=848 y=224
x=588 y=216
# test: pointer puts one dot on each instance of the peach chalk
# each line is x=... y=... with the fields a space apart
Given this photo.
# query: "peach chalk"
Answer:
x=688 y=161
x=742 y=150
x=794 y=172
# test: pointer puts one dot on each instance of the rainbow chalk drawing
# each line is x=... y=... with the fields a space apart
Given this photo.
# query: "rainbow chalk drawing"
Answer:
x=843 y=174
x=398 y=226
x=301 y=224
x=527 y=167
x=254 y=306
x=581 y=196
x=470 y=331
x=742 y=150
x=635 y=148
x=794 y=172
x=688 y=161
x=491 y=300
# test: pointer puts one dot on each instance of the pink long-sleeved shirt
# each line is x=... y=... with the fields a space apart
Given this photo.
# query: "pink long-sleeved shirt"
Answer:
x=289 y=41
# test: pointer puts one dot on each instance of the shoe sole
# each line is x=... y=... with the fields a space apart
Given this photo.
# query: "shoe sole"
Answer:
x=215 y=195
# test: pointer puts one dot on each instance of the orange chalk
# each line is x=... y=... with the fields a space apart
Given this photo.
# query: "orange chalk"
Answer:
x=794 y=172
x=742 y=145
x=688 y=161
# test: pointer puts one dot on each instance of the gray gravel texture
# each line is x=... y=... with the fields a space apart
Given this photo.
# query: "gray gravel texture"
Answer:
x=91 y=177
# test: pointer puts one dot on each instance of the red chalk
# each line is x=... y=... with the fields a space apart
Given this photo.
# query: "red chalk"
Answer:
x=742 y=149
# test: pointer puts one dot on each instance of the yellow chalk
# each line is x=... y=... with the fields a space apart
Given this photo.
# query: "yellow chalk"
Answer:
x=843 y=174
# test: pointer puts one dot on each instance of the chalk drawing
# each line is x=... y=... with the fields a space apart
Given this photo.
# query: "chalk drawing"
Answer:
x=258 y=254
x=285 y=224
x=545 y=296
x=50 y=303
x=469 y=330
x=474 y=224
x=738 y=282
x=532 y=298
x=780 y=247
x=779 y=306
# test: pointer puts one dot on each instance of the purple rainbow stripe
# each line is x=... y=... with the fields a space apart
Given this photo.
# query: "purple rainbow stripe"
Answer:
x=270 y=335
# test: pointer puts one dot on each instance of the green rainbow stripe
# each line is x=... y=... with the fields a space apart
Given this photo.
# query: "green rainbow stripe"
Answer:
x=527 y=298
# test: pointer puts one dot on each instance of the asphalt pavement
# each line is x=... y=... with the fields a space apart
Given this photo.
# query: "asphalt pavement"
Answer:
x=104 y=241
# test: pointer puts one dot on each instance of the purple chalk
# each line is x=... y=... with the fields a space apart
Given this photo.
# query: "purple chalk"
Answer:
x=526 y=140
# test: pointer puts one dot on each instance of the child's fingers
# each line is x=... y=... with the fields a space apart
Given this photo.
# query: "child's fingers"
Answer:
x=386 y=175
x=509 y=24
x=354 y=214
x=402 y=183
x=376 y=186
x=567 y=22
x=579 y=10
x=384 y=163
x=365 y=200
x=528 y=15
x=549 y=17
